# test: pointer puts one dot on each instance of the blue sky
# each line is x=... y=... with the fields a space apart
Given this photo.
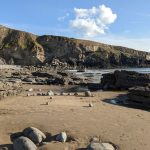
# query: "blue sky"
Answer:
x=128 y=23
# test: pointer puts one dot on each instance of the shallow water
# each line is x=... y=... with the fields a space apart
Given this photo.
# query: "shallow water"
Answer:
x=96 y=74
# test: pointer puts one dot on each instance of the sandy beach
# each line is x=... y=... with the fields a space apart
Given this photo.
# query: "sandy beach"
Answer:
x=126 y=127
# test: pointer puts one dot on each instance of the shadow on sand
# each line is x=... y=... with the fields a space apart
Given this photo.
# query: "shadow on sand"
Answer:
x=122 y=100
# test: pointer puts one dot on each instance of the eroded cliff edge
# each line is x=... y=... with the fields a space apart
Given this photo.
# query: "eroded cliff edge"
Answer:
x=23 y=48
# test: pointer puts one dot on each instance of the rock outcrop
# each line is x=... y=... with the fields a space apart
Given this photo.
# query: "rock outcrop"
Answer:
x=10 y=87
x=140 y=94
x=22 y=48
x=124 y=80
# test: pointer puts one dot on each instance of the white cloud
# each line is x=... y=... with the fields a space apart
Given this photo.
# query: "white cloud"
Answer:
x=63 y=17
x=94 y=21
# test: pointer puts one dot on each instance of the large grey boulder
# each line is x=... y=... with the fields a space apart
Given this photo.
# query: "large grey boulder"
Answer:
x=62 y=137
x=34 y=134
x=23 y=143
x=100 y=146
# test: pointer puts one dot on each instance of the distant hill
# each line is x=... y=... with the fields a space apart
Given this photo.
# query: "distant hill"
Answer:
x=23 y=48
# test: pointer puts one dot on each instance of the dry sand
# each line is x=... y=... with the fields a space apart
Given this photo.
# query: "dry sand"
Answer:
x=129 y=128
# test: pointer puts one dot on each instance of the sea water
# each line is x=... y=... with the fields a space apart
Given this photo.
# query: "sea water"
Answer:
x=96 y=74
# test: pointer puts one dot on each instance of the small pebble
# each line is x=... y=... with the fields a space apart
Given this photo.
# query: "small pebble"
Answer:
x=47 y=103
x=30 y=90
x=90 y=105
x=76 y=94
x=28 y=95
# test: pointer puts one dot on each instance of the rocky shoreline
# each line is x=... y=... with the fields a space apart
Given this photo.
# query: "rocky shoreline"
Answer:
x=123 y=80
x=13 y=83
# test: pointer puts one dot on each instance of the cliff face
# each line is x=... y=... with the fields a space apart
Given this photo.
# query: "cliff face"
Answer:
x=18 y=47
x=22 y=48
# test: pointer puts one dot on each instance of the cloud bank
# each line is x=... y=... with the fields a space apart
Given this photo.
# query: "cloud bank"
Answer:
x=94 y=21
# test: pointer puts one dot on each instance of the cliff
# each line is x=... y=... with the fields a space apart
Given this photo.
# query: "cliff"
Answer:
x=22 y=48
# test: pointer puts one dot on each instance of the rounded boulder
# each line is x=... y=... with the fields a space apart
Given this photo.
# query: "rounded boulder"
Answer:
x=23 y=143
x=62 y=137
x=34 y=134
x=100 y=146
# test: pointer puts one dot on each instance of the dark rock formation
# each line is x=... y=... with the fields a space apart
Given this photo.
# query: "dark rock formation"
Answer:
x=22 y=48
x=140 y=94
x=124 y=80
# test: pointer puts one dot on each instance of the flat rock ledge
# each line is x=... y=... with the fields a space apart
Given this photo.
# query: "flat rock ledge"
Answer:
x=140 y=94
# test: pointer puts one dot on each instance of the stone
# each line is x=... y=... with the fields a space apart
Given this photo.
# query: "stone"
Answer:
x=100 y=146
x=28 y=94
x=23 y=143
x=91 y=105
x=92 y=95
x=34 y=134
x=30 y=90
x=63 y=94
x=95 y=139
x=62 y=137
x=16 y=135
x=39 y=94
x=57 y=94
x=5 y=148
x=50 y=93
x=47 y=103
x=88 y=94
x=76 y=94
x=108 y=146
x=43 y=94
x=31 y=80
